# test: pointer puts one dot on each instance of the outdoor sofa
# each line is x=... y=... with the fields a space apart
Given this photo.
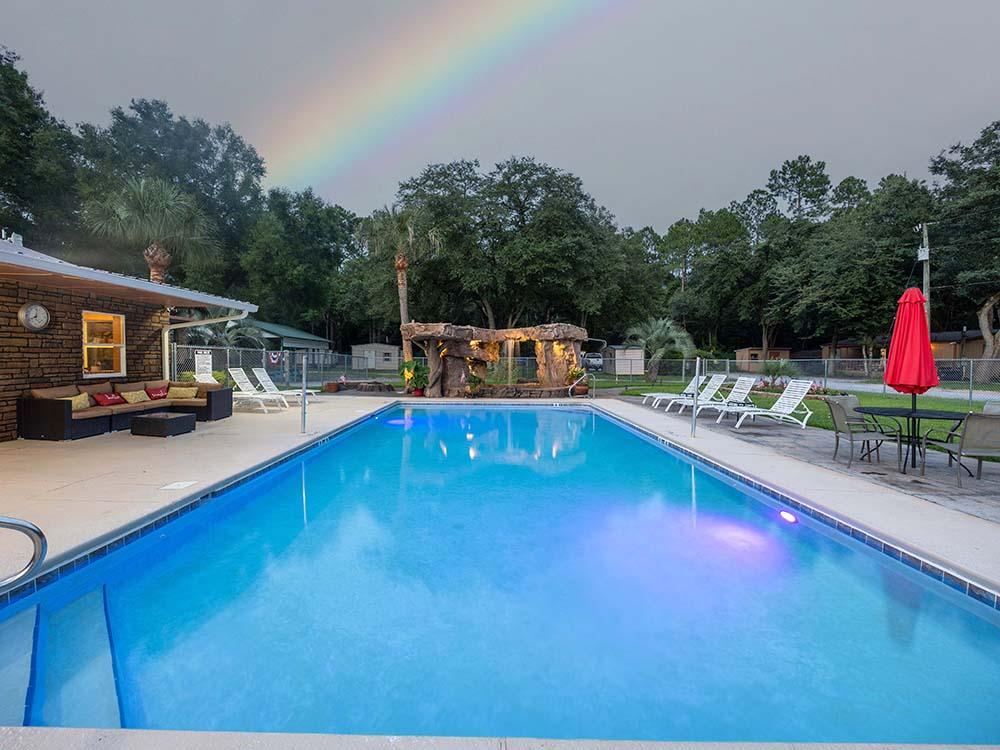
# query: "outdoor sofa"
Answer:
x=49 y=413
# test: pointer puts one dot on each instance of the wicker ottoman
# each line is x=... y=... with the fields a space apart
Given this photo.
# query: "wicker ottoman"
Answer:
x=162 y=424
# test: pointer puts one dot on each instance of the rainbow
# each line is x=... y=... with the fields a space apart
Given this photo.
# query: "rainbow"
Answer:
x=345 y=119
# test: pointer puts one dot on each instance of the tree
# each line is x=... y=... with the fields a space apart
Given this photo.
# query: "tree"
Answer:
x=399 y=233
x=969 y=250
x=156 y=214
x=754 y=212
x=38 y=193
x=850 y=192
x=659 y=338
x=212 y=163
x=293 y=255
x=233 y=333
x=804 y=186
x=678 y=247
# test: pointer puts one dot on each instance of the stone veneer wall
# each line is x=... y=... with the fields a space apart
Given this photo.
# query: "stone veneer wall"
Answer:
x=55 y=356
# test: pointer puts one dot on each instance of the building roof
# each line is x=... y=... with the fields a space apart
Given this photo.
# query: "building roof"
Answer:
x=936 y=336
x=19 y=263
x=287 y=332
x=377 y=345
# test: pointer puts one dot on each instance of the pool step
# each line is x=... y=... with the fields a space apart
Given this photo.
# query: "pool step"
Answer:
x=17 y=640
x=76 y=678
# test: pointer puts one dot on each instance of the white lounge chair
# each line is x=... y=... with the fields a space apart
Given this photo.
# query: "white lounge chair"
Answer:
x=715 y=382
x=659 y=396
x=738 y=396
x=205 y=377
x=294 y=395
x=246 y=392
x=788 y=408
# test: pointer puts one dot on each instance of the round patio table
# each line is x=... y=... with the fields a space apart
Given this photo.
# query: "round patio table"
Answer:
x=912 y=418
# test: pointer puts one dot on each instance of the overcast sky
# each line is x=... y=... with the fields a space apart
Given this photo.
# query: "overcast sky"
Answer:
x=661 y=107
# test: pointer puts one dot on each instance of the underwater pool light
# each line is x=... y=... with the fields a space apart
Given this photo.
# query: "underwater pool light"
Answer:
x=787 y=515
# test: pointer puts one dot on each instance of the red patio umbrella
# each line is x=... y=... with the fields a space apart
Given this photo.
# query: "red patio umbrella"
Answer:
x=911 y=368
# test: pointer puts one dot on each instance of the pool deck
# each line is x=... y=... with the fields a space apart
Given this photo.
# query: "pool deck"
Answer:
x=86 y=492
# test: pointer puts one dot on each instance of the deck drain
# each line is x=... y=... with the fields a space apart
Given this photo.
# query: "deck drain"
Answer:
x=177 y=485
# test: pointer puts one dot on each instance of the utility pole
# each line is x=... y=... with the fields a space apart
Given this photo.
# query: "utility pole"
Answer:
x=924 y=254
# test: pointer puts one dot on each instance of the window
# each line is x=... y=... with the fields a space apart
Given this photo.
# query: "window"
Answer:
x=103 y=344
x=387 y=356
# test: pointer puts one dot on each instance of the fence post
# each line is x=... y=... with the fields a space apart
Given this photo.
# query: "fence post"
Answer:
x=826 y=373
x=970 y=383
x=694 y=397
x=727 y=369
x=304 y=363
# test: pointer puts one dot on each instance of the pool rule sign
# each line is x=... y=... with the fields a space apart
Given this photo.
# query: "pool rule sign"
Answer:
x=202 y=362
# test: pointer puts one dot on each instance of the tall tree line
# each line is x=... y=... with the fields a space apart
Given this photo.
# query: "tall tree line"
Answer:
x=799 y=261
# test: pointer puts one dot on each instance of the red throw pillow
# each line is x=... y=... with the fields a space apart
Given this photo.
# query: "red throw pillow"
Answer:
x=157 y=393
x=108 y=399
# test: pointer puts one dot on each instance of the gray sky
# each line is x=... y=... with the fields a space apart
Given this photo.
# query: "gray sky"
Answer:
x=661 y=107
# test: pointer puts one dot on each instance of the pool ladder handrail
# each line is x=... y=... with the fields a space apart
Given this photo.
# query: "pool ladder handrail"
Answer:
x=40 y=547
x=591 y=383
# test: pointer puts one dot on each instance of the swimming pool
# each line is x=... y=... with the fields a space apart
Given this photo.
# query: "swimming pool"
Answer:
x=503 y=571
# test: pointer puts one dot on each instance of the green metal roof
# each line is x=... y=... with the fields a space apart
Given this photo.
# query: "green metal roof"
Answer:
x=286 y=332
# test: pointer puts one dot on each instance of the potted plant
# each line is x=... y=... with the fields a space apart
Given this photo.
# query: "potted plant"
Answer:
x=572 y=375
x=474 y=382
x=415 y=376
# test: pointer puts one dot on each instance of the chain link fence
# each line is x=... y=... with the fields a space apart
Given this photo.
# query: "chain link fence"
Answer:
x=970 y=379
x=283 y=366
x=974 y=380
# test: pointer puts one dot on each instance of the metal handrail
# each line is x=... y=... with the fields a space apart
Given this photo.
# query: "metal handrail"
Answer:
x=38 y=541
x=588 y=376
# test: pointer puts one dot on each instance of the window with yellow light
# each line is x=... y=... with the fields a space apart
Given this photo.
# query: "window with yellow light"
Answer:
x=103 y=344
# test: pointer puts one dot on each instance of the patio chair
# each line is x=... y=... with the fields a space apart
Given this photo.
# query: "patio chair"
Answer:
x=788 y=408
x=977 y=437
x=659 y=396
x=294 y=395
x=205 y=377
x=245 y=392
x=855 y=429
x=707 y=394
x=738 y=396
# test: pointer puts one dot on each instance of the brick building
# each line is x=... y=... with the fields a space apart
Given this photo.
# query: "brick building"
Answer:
x=63 y=324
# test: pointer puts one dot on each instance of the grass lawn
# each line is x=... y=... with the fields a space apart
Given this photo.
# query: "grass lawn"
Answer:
x=821 y=413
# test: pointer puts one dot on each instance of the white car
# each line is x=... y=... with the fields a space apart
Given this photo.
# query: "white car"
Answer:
x=593 y=361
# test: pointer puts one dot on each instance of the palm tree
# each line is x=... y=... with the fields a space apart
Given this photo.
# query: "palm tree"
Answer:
x=396 y=232
x=660 y=337
x=154 y=213
x=231 y=334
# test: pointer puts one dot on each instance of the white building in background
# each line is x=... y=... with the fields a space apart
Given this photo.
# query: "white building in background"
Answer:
x=624 y=359
x=379 y=356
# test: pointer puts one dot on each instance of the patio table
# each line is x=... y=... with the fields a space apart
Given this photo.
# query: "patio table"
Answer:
x=912 y=419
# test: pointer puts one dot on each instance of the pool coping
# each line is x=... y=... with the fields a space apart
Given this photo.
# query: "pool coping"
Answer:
x=963 y=581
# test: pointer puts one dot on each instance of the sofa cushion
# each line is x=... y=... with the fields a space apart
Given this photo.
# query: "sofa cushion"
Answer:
x=189 y=402
x=157 y=384
x=156 y=393
x=79 y=402
x=90 y=412
x=178 y=392
x=203 y=388
x=143 y=406
x=109 y=399
x=94 y=388
x=129 y=387
x=135 y=397
x=61 y=391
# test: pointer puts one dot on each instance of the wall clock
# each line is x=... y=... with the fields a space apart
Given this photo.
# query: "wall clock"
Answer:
x=33 y=316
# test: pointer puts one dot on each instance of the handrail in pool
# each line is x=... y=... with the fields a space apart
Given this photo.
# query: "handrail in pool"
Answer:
x=591 y=382
x=38 y=541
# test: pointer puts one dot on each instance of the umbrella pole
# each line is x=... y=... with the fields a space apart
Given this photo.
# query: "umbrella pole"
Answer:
x=914 y=438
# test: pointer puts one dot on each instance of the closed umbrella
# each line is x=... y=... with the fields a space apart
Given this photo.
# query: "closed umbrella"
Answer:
x=911 y=367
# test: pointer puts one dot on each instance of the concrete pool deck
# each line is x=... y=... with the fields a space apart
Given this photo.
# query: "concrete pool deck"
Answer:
x=84 y=492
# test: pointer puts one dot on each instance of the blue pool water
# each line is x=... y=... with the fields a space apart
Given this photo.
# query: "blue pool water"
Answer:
x=503 y=571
